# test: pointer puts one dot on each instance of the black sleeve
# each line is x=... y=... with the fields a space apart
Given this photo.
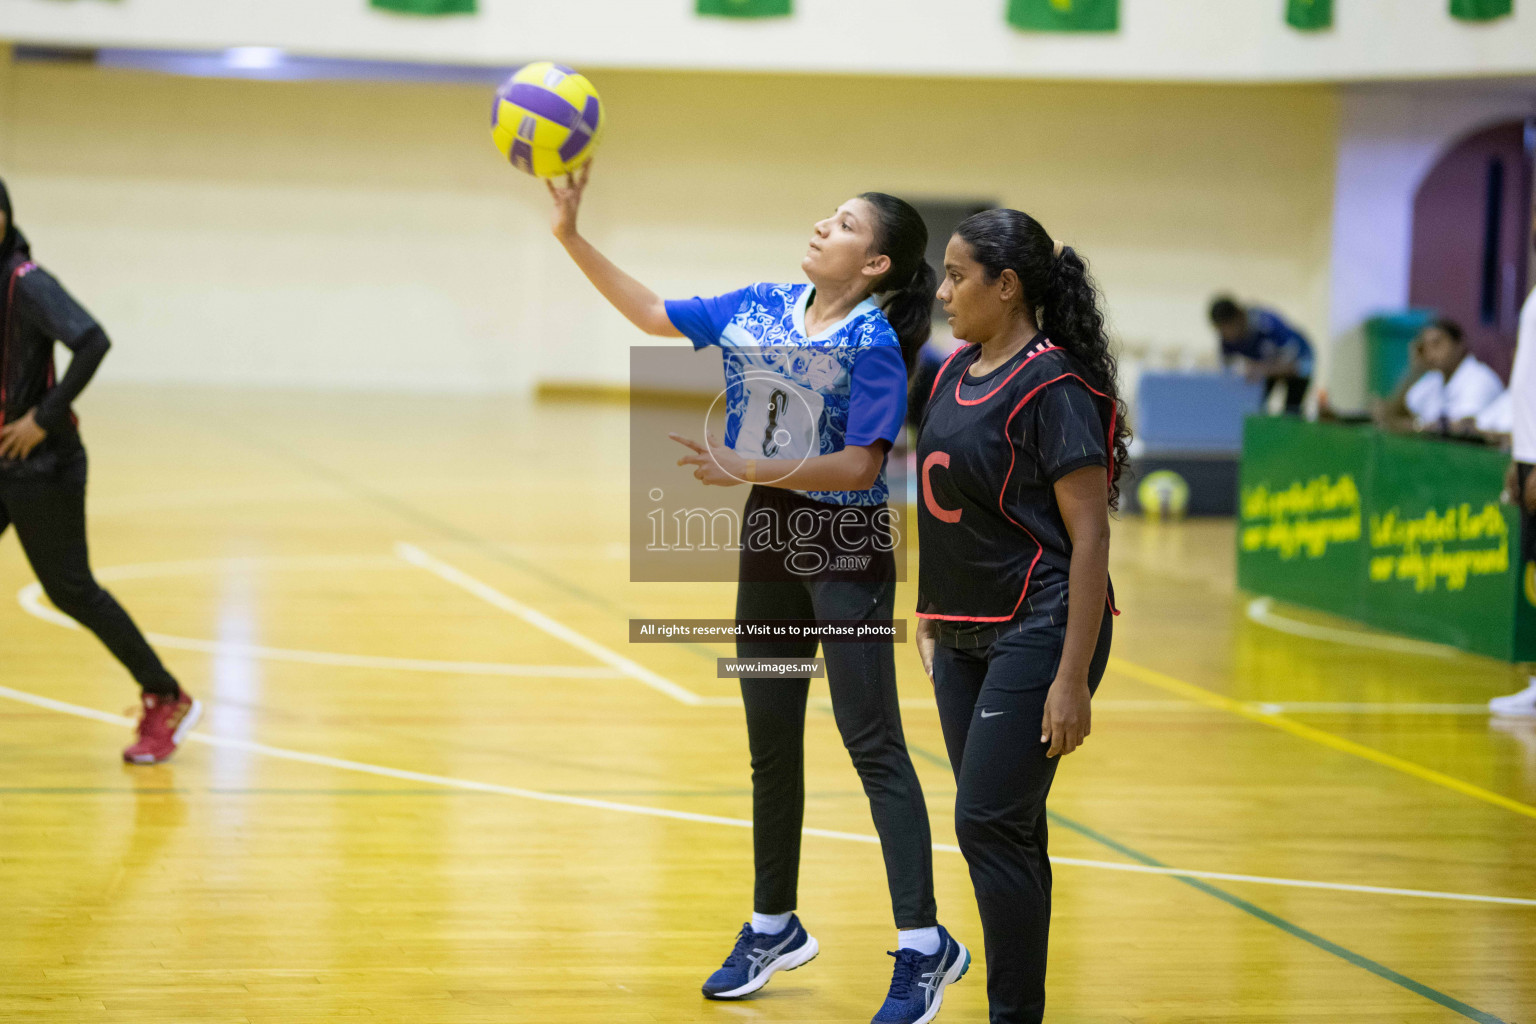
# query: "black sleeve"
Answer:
x=1066 y=429
x=45 y=306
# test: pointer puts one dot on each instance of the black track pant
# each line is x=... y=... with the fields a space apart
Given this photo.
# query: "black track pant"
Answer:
x=862 y=677
x=49 y=515
x=991 y=704
x=1295 y=391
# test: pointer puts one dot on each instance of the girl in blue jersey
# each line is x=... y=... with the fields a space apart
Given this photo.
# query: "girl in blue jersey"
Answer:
x=1020 y=451
x=816 y=378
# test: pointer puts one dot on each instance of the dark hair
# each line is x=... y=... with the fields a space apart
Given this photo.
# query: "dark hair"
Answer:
x=1450 y=327
x=1066 y=301
x=1225 y=310
x=901 y=234
x=12 y=241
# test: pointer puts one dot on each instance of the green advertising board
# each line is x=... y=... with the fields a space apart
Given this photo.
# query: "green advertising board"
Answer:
x=1402 y=533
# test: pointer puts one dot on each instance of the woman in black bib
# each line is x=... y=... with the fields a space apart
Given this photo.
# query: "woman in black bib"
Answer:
x=1021 y=446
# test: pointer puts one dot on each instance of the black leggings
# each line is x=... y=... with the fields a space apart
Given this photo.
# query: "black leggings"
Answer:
x=48 y=512
x=1295 y=391
x=862 y=677
x=991 y=704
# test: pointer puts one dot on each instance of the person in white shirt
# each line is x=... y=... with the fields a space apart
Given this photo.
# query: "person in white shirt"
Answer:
x=1458 y=386
x=1520 y=484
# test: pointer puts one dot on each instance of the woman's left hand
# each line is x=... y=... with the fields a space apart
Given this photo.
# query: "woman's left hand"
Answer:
x=1068 y=716
x=18 y=439
x=715 y=463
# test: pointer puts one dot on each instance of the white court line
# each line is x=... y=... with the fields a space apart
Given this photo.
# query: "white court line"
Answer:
x=537 y=619
x=1365 y=708
x=469 y=785
x=31 y=601
x=1261 y=610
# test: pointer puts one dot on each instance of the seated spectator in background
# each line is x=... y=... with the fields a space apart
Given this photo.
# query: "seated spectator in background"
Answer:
x=1453 y=388
x=1273 y=350
x=1497 y=422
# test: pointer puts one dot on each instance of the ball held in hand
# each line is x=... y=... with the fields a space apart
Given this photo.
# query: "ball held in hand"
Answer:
x=547 y=119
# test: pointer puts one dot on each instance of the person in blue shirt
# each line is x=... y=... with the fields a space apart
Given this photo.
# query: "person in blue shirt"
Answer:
x=816 y=389
x=1274 y=351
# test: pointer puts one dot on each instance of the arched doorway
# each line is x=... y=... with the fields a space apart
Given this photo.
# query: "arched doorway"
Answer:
x=1472 y=237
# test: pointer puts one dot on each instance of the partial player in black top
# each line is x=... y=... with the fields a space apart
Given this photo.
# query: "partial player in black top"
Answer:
x=43 y=473
x=1021 y=448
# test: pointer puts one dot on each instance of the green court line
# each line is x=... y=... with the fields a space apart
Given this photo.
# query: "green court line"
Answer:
x=1347 y=955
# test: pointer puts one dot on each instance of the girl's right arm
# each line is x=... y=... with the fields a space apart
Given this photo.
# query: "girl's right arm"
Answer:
x=640 y=306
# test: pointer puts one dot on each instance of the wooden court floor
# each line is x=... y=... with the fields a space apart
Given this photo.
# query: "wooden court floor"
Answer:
x=434 y=782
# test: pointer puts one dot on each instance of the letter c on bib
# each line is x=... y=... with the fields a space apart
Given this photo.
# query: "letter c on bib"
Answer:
x=942 y=514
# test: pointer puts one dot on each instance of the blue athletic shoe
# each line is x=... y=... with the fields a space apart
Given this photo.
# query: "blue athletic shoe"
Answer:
x=918 y=984
x=756 y=958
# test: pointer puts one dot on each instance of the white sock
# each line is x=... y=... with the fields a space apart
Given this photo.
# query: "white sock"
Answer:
x=924 y=940
x=770 y=924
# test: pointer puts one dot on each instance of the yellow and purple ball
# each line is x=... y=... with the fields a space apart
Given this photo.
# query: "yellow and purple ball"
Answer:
x=547 y=119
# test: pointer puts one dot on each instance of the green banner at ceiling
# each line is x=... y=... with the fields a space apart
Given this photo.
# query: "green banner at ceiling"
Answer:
x=1481 y=10
x=1065 y=15
x=746 y=8
x=1309 y=15
x=425 y=6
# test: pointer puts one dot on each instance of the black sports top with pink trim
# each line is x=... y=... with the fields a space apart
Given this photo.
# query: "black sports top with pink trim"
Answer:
x=993 y=545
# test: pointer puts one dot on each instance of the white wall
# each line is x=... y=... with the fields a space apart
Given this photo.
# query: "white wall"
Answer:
x=1178 y=40
x=1389 y=139
x=367 y=235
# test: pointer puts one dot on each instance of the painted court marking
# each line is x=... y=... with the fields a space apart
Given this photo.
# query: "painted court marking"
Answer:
x=1261 y=610
x=470 y=785
x=1254 y=713
x=616 y=665
x=31 y=599
x=1163 y=681
x=537 y=619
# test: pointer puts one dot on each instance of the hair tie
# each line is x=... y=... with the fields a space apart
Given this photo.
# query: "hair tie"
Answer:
x=1057 y=248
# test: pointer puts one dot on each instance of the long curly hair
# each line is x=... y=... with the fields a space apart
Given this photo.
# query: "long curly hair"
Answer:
x=1065 y=300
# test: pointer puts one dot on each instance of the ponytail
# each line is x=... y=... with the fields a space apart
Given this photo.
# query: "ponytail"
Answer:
x=910 y=283
x=1070 y=316
x=910 y=312
x=1066 y=301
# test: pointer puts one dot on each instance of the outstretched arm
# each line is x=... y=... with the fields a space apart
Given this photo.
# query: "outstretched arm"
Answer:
x=640 y=306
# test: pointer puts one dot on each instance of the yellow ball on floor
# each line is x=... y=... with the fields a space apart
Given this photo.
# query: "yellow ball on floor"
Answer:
x=1163 y=495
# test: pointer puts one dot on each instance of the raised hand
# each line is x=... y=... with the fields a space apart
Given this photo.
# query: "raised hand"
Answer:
x=567 y=199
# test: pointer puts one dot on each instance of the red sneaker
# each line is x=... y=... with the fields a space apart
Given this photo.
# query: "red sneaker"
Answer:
x=162 y=726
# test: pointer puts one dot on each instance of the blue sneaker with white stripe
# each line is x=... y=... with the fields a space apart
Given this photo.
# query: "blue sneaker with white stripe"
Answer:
x=756 y=958
x=919 y=981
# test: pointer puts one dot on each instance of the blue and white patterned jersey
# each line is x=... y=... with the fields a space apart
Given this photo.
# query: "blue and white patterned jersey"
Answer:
x=790 y=396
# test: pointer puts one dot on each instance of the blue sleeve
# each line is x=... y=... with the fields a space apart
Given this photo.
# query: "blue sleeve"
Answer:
x=701 y=320
x=877 y=399
x=1296 y=342
x=1286 y=338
